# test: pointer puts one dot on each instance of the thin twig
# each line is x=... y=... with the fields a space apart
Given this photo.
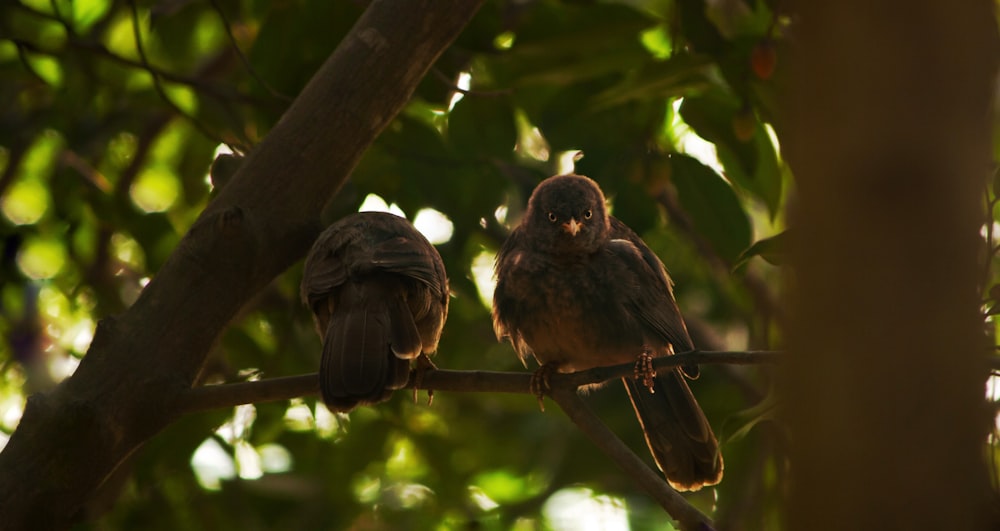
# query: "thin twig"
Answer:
x=676 y=506
x=243 y=58
x=758 y=289
x=157 y=84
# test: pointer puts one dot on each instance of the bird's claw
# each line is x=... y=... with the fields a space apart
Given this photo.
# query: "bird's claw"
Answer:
x=644 y=371
x=541 y=383
x=423 y=365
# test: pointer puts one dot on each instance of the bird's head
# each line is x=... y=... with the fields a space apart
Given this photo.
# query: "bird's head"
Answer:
x=567 y=213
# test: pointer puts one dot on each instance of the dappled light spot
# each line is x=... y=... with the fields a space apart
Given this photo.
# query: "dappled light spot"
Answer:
x=247 y=460
x=689 y=143
x=25 y=202
x=530 y=141
x=366 y=488
x=155 y=190
x=211 y=464
x=328 y=425
x=62 y=367
x=405 y=461
x=406 y=495
x=993 y=394
x=41 y=258
x=11 y=409
x=238 y=427
x=567 y=161
x=500 y=214
x=481 y=499
x=434 y=225
x=509 y=486
x=375 y=203
x=274 y=458
x=482 y=275
x=657 y=41
x=128 y=251
x=504 y=41
x=298 y=416
x=580 y=509
x=47 y=68
x=463 y=82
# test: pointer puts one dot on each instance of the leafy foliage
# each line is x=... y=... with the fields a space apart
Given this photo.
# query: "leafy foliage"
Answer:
x=113 y=113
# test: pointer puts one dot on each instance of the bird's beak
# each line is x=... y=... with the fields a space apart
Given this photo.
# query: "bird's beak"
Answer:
x=572 y=226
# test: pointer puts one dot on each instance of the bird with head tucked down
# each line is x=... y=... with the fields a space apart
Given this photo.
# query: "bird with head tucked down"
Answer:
x=577 y=289
x=379 y=296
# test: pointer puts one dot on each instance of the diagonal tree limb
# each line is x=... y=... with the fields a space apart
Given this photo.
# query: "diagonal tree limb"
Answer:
x=126 y=388
x=676 y=506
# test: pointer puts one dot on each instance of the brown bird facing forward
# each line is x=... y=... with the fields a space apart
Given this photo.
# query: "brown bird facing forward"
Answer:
x=579 y=289
x=379 y=296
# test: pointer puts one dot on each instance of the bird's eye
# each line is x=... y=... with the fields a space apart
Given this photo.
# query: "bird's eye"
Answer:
x=587 y=214
x=552 y=217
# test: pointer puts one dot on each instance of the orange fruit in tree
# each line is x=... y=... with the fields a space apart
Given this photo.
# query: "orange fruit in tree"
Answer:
x=763 y=59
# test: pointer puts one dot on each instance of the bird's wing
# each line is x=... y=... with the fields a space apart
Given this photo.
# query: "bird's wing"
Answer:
x=653 y=303
x=506 y=314
x=325 y=266
x=366 y=243
x=410 y=255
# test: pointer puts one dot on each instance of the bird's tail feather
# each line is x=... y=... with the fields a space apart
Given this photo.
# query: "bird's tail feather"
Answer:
x=677 y=432
x=358 y=366
x=404 y=338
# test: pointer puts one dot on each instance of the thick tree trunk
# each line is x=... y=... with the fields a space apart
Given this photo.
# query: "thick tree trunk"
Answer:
x=124 y=392
x=889 y=137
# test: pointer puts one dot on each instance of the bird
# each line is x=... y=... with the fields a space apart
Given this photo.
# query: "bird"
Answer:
x=378 y=292
x=576 y=289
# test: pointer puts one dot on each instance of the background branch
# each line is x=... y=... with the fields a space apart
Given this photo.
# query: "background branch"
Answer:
x=676 y=506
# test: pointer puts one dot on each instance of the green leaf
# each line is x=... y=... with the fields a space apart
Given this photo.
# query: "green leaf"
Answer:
x=483 y=126
x=677 y=76
x=751 y=164
x=774 y=250
x=558 y=46
x=750 y=417
x=713 y=206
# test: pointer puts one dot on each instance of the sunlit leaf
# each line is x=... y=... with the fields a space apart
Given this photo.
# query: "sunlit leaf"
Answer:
x=712 y=205
x=46 y=68
x=657 y=41
x=506 y=486
x=155 y=190
x=184 y=97
x=87 y=12
x=676 y=76
x=750 y=162
x=119 y=37
x=42 y=258
x=405 y=461
x=25 y=202
x=774 y=250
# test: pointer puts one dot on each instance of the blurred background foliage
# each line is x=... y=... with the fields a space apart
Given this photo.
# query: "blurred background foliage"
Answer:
x=111 y=114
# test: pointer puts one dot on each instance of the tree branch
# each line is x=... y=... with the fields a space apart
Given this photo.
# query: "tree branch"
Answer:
x=127 y=386
x=218 y=396
x=563 y=392
x=676 y=506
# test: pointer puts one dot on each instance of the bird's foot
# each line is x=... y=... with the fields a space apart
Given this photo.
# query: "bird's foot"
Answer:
x=541 y=383
x=423 y=365
x=644 y=371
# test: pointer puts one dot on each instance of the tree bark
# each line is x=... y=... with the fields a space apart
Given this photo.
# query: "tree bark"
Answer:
x=889 y=137
x=125 y=390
